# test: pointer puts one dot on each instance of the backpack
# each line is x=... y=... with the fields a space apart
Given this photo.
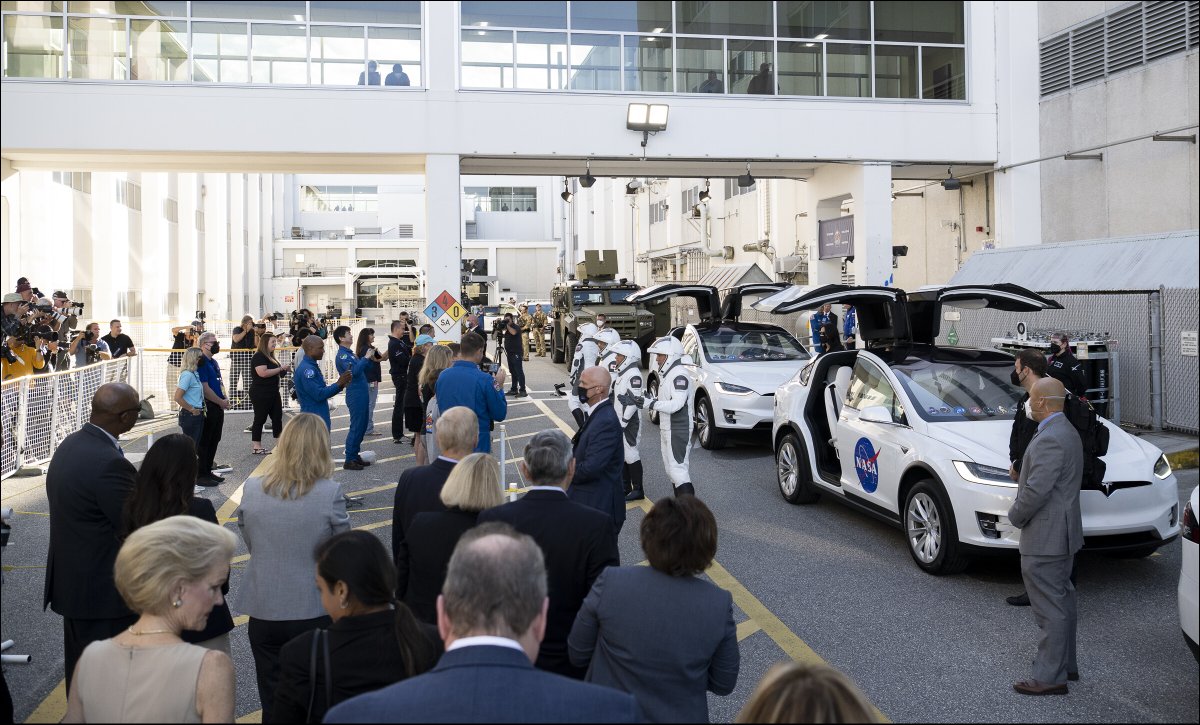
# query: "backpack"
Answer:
x=1093 y=434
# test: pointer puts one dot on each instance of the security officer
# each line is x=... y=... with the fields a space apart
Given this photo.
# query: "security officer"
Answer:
x=606 y=338
x=525 y=322
x=627 y=358
x=674 y=406
x=849 y=326
x=539 y=330
x=815 y=322
x=1064 y=367
x=585 y=356
x=358 y=395
x=311 y=390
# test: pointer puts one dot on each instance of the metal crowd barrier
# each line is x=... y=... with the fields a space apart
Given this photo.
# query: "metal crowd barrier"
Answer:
x=39 y=411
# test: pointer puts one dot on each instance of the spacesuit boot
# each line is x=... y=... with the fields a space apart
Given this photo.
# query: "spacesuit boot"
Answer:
x=636 y=492
x=685 y=489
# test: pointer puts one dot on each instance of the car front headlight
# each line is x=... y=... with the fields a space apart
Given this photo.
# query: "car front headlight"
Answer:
x=732 y=389
x=987 y=475
x=1162 y=467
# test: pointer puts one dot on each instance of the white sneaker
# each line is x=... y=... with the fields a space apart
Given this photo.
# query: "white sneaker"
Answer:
x=222 y=469
x=197 y=490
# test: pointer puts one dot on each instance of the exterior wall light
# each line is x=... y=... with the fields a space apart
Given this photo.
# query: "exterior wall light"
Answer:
x=648 y=118
x=587 y=179
x=746 y=180
x=566 y=195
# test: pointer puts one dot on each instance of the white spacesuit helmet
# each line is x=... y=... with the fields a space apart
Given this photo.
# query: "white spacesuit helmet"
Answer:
x=668 y=346
x=608 y=336
x=629 y=350
x=587 y=331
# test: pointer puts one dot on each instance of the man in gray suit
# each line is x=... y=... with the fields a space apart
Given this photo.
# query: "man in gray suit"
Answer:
x=1046 y=511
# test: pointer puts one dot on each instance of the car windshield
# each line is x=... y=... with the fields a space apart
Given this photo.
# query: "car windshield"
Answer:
x=725 y=345
x=942 y=392
x=618 y=296
x=491 y=310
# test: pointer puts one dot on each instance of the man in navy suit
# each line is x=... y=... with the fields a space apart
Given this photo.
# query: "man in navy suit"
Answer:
x=492 y=617
x=577 y=541
x=599 y=452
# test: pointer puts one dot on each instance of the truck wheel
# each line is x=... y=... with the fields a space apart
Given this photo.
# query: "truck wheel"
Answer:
x=556 y=347
x=569 y=349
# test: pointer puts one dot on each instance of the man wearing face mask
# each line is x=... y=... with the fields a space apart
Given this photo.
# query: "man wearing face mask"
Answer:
x=1064 y=366
x=676 y=394
x=1046 y=510
x=599 y=451
x=1028 y=368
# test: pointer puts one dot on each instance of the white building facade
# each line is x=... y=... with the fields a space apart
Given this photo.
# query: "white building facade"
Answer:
x=835 y=108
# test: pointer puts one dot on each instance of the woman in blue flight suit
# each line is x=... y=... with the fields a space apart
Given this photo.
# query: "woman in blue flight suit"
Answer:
x=358 y=396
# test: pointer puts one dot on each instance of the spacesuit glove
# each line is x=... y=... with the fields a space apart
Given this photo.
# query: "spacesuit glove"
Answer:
x=630 y=399
x=645 y=403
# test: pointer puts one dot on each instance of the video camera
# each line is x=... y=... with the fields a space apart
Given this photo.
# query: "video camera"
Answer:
x=490 y=368
x=90 y=347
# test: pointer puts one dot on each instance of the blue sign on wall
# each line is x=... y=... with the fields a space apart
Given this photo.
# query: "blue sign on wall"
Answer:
x=835 y=238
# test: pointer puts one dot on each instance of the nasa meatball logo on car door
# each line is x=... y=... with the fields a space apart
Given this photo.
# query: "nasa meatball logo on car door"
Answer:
x=866 y=465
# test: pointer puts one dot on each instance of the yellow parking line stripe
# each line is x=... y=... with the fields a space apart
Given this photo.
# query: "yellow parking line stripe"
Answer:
x=562 y=424
x=251 y=717
x=53 y=708
x=745 y=629
x=363 y=511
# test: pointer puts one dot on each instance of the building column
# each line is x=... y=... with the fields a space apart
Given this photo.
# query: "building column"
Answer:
x=443 y=220
x=1018 y=137
x=869 y=188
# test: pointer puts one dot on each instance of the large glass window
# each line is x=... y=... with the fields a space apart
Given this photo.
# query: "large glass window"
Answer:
x=848 y=70
x=542 y=61
x=700 y=65
x=250 y=10
x=647 y=63
x=159 y=50
x=97 y=49
x=750 y=17
x=629 y=16
x=530 y=14
x=920 y=22
x=487 y=58
x=800 y=69
x=167 y=9
x=391 y=47
x=595 y=62
x=338 y=54
x=943 y=73
x=895 y=71
x=837 y=20
x=33 y=46
x=502 y=198
x=339 y=198
x=280 y=54
x=219 y=53
x=750 y=68
x=368 y=12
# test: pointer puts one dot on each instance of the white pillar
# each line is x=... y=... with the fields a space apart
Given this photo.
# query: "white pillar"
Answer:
x=443 y=219
x=1019 y=190
x=873 y=225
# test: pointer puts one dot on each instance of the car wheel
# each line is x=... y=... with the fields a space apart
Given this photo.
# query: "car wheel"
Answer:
x=791 y=470
x=557 y=351
x=711 y=437
x=652 y=392
x=930 y=530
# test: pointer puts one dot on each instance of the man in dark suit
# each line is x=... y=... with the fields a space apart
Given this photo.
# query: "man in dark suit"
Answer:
x=599 y=453
x=492 y=617
x=1046 y=510
x=86 y=486
x=420 y=488
x=577 y=541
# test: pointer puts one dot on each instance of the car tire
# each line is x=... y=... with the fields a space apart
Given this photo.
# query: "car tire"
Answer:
x=792 y=472
x=652 y=392
x=557 y=350
x=711 y=437
x=930 y=530
x=568 y=349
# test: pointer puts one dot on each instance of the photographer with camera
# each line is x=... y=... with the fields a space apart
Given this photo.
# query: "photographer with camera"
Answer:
x=21 y=355
x=514 y=335
x=88 y=348
x=241 y=349
x=302 y=325
x=399 y=352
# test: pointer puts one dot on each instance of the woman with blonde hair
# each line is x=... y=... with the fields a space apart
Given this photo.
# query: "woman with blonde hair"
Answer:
x=473 y=485
x=189 y=395
x=265 y=372
x=170 y=573
x=795 y=692
x=283 y=516
x=436 y=360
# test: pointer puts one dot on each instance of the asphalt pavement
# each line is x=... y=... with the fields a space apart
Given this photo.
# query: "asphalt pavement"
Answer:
x=816 y=583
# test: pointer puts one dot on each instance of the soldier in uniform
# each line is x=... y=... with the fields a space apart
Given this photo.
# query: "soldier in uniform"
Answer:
x=539 y=330
x=525 y=322
x=585 y=356
x=674 y=406
x=628 y=379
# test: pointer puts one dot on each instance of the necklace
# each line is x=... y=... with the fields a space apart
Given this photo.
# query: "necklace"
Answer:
x=150 y=631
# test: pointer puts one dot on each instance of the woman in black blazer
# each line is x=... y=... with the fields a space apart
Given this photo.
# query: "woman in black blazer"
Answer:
x=473 y=485
x=164 y=488
x=374 y=641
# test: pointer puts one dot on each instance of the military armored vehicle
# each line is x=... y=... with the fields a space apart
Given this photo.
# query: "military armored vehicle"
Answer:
x=595 y=289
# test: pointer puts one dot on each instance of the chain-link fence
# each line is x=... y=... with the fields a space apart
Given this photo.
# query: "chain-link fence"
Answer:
x=39 y=411
x=1181 y=374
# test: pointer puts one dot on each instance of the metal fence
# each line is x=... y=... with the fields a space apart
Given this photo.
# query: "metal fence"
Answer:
x=1181 y=373
x=39 y=411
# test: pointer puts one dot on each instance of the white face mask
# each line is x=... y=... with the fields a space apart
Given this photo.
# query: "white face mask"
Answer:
x=1028 y=409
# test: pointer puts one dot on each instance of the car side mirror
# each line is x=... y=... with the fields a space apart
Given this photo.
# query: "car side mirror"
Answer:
x=876 y=414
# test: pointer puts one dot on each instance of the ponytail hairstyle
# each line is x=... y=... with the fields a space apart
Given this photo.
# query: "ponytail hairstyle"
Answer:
x=359 y=560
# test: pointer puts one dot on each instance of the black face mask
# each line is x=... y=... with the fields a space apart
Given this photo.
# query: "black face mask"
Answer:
x=216 y=348
x=1016 y=379
x=583 y=396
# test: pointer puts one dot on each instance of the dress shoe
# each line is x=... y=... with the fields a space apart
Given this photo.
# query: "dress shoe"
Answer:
x=363 y=463
x=352 y=466
x=397 y=441
x=1073 y=676
x=1033 y=687
x=636 y=494
x=1018 y=600
x=523 y=394
x=209 y=480
x=222 y=468
x=513 y=393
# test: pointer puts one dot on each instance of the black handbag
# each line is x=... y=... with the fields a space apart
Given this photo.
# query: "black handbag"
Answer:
x=320 y=642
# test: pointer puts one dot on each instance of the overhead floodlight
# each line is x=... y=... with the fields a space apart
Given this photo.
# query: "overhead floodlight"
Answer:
x=950 y=183
x=566 y=195
x=650 y=117
x=746 y=180
x=704 y=195
x=633 y=186
x=587 y=179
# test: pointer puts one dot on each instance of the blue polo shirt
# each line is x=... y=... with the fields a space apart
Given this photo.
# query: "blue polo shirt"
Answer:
x=463 y=383
x=209 y=372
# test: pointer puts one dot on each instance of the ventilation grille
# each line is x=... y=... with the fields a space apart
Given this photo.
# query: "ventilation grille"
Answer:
x=1126 y=38
x=404 y=231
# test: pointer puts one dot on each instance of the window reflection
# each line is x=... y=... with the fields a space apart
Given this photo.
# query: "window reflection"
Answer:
x=919 y=22
x=487 y=58
x=622 y=16
x=337 y=54
x=97 y=49
x=750 y=17
x=542 y=61
x=595 y=62
x=943 y=73
x=219 y=53
x=700 y=65
x=279 y=54
x=159 y=50
x=848 y=71
x=647 y=63
x=836 y=20
x=895 y=71
x=800 y=69
x=250 y=10
x=530 y=14
x=367 y=13
x=750 y=67
x=33 y=46
x=391 y=47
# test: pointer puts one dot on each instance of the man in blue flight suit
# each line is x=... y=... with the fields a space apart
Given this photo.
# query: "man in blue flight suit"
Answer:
x=849 y=326
x=815 y=322
x=358 y=395
x=311 y=390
